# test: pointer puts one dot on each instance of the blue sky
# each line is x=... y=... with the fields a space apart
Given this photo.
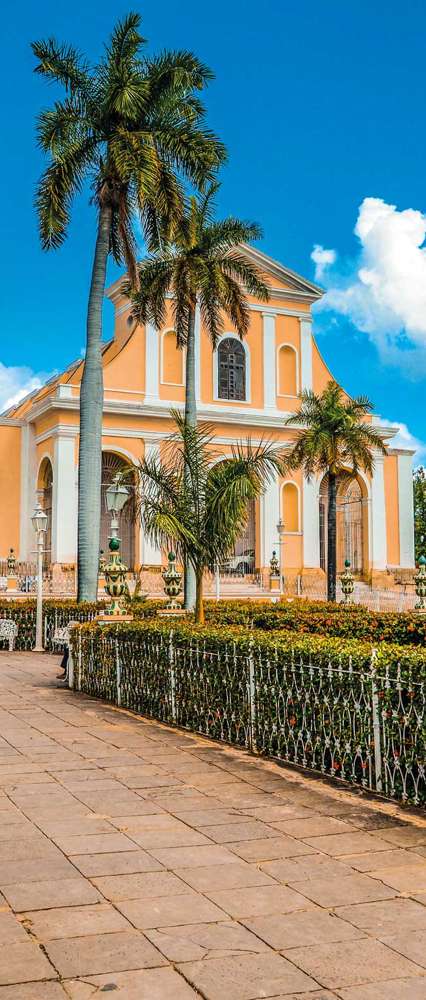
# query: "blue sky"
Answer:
x=321 y=106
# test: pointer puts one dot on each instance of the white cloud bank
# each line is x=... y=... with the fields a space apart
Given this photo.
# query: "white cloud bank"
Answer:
x=17 y=382
x=383 y=291
x=405 y=439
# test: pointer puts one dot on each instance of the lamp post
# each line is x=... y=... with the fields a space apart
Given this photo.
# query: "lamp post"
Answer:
x=39 y=523
x=281 y=530
x=115 y=571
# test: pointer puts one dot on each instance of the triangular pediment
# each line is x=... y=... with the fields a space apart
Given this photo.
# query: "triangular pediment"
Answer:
x=287 y=279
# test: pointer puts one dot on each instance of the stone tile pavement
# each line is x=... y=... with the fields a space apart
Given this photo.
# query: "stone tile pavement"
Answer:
x=154 y=864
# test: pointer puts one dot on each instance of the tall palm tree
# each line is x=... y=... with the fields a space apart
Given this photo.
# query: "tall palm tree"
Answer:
x=196 y=503
x=333 y=439
x=202 y=262
x=133 y=127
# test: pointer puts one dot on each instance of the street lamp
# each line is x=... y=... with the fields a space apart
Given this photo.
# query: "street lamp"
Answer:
x=115 y=571
x=39 y=523
x=281 y=530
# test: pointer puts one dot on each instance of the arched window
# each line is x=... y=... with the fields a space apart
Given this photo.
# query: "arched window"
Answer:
x=287 y=371
x=231 y=360
x=171 y=360
x=45 y=490
x=290 y=495
x=113 y=465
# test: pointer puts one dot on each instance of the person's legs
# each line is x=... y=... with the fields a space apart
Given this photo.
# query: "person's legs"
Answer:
x=64 y=665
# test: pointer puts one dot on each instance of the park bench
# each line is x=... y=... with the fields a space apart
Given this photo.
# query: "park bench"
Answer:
x=8 y=631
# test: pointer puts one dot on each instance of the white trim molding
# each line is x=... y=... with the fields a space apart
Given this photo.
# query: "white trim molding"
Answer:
x=269 y=518
x=64 y=502
x=152 y=364
x=377 y=533
x=269 y=371
x=406 y=510
x=286 y=395
x=311 y=525
x=306 y=352
x=215 y=360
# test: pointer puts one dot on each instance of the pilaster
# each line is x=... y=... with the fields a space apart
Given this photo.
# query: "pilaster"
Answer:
x=64 y=500
x=311 y=526
x=406 y=510
x=150 y=553
x=378 y=544
x=306 y=376
x=152 y=364
x=269 y=362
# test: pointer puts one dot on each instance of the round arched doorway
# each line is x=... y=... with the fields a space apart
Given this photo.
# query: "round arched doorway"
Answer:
x=350 y=525
x=242 y=560
x=45 y=495
x=114 y=465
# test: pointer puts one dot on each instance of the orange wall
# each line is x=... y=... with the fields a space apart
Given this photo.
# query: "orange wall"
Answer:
x=10 y=465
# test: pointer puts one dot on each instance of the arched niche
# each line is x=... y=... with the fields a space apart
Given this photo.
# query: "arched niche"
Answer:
x=171 y=360
x=113 y=465
x=351 y=524
x=287 y=374
x=290 y=507
x=45 y=496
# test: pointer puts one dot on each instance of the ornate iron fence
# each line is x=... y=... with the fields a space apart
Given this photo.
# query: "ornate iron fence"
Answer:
x=362 y=725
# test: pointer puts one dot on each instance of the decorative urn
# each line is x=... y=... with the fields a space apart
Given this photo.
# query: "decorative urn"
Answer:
x=172 y=582
x=347 y=582
x=420 y=582
x=115 y=579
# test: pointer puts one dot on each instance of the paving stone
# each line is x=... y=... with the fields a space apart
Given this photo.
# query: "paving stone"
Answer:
x=406 y=836
x=301 y=928
x=199 y=818
x=147 y=984
x=77 y=826
x=168 y=911
x=314 y=826
x=348 y=843
x=45 y=895
x=281 y=811
x=120 y=863
x=24 y=963
x=236 y=876
x=234 y=832
x=140 y=885
x=11 y=931
x=100 y=953
x=72 y=921
x=412 y=944
x=394 y=858
x=35 y=870
x=107 y=843
x=352 y=963
x=193 y=941
x=397 y=989
x=259 y=900
x=270 y=848
x=193 y=857
x=28 y=849
x=246 y=977
x=387 y=917
x=180 y=836
x=404 y=879
x=333 y=891
x=33 y=991
x=299 y=869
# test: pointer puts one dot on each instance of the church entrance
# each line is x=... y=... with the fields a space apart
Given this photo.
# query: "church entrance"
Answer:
x=350 y=527
x=242 y=561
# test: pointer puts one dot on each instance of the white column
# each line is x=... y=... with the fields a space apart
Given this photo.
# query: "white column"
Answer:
x=28 y=491
x=197 y=354
x=306 y=380
x=269 y=518
x=64 y=506
x=150 y=554
x=406 y=510
x=269 y=362
x=152 y=362
x=378 y=542
x=311 y=527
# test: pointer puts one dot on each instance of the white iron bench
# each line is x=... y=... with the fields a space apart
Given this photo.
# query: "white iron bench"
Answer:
x=8 y=631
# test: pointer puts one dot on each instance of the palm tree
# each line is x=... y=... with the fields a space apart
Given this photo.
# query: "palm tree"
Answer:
x=133 y=127
x=204 y=263
x=333 y=439
x=196 y=503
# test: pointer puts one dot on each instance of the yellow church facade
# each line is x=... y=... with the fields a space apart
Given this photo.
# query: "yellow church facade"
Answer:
x=244 y=389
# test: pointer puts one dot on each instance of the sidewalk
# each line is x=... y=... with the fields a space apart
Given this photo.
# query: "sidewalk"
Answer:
x=139 y=860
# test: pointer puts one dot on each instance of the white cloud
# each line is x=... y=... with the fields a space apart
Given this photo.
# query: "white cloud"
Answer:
x=322 y=259
x=405 y=439
x=383 y=291
x=17 y=382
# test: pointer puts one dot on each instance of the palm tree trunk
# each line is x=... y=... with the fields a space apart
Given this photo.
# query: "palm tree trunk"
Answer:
x=331 y=537
x=199 y=603
x=91 y=405
x=190 y=421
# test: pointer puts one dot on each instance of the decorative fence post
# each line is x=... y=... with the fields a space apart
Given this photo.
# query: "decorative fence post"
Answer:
x=171 y=656
x=376 y=724
x=252 y=697
x=118 y=670
x=78 y=685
